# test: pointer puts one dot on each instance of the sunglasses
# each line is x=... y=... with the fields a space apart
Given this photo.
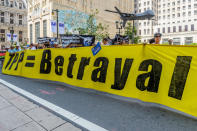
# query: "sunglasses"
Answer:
x=157 y=36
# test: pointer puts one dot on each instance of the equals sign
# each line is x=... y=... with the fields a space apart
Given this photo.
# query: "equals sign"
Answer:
x=30 y=64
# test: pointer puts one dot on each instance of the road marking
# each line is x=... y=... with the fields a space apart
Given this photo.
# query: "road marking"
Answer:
x=70 y=116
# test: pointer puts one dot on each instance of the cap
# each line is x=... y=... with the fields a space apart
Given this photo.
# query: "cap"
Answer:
x=157 y=35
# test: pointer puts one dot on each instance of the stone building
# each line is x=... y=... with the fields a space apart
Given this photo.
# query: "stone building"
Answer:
x=175 y=19
x=40 y=14
x=13 y=20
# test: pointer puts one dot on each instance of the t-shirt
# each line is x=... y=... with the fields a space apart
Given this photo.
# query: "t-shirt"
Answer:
x=11 y=50
x=33 y=48
x=17 y=50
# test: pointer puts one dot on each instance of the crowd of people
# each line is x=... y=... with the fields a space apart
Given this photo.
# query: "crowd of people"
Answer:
x=105 y=42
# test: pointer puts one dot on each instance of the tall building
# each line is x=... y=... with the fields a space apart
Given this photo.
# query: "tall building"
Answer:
x=13 y=20
x=175 y=19
x=40 y=14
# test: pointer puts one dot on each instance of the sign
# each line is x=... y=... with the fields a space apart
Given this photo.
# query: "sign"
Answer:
x=96 y=49
x=61 y=28
x=151 y=73
x=8 y=36
x=15 y=37
x=87 y=40
x=82 y=40
x=42 y=40
x=53 y=26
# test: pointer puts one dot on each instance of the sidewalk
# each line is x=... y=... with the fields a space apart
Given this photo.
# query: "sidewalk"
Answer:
x=19 y=114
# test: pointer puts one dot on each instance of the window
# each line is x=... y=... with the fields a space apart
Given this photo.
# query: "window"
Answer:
x=189 y=13
x=189 y=6
x=2 y=35
x=186 y=27
x=140 y=32
x=183 y=7
x=31 y=33
x=20 y=5
x=176 y=41
x=195 y=5
x=148 y=32
x=11 y=18
x=178 y=14
x=158 y=30
x=192 y=27
x=178 y=8
x=168 y=29
x=20 y=36
x=2 y=17
x=163 y=30
x=144 y=31
x=2 y=2
x=20 y=17
x=195 y=12
x=180 y=28
x=188 y=40
x=184 y=14
x=174 y=28
x=37 y=30
x=45 y=28
x=11 y=4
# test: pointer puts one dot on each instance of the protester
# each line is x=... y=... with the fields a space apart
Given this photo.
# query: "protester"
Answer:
x=170 y=41
x=32 y=47
x=157 y=38
x=17 y=48
x=11 y=50
x=105 y=42
x=151 y=41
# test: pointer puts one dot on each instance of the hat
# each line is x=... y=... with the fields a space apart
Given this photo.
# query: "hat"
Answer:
x=157 y=35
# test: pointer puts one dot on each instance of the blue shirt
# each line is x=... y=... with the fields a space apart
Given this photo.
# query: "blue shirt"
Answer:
x=11 y=50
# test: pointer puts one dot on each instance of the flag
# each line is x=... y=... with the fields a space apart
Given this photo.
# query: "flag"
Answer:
x=61 y=28
x=15 y=37
x=53 y=27
x=8 y=36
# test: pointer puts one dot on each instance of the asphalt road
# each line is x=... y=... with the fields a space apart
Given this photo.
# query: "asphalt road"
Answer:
x=109 y=113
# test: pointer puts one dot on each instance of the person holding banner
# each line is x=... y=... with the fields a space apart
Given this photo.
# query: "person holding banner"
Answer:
x=11 y=50
x=157 y=38
x=17 y=49
x=105 y=42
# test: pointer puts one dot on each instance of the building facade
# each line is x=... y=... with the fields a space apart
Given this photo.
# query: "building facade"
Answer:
x=175 y=19
x=40 y=14
x=13 y=20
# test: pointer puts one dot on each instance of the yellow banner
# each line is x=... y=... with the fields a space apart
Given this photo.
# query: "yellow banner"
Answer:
x=160 y=74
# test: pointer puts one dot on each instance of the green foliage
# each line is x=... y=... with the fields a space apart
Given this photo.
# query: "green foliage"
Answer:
x=129 y=32
x=99 y=30
x=193 y=43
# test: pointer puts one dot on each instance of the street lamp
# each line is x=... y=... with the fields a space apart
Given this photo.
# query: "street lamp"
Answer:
x=12 y=33
x=119 y=26
x=57 y=11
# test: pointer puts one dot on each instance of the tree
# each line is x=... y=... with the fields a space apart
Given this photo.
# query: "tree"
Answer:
x=92 y=28
x=129 y=32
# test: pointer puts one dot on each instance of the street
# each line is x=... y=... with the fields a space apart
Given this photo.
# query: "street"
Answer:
x=109 y=113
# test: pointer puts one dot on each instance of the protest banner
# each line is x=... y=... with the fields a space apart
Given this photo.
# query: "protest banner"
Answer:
x=152 y=73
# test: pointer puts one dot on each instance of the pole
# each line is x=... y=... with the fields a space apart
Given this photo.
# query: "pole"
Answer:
x=57 y=24
x=133 y=35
